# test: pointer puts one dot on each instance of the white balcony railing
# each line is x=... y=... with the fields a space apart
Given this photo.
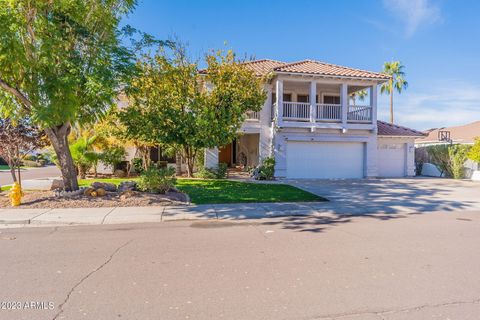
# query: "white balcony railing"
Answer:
x=329 y=112
x=253 y=115
x=359 y=113
x=300 y=112
x=296 y=111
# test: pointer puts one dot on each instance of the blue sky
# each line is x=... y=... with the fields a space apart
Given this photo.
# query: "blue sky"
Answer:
x=436 y=40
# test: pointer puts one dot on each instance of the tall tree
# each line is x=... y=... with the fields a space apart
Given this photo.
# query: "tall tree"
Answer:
x=172 y=103
x=397 y=81
x=61 y=62
x=16 y=140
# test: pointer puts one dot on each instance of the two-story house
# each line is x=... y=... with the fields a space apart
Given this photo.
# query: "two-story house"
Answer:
x=314 y=126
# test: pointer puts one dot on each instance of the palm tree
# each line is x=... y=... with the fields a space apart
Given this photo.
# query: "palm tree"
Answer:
x=397 y=81
x=361 y=95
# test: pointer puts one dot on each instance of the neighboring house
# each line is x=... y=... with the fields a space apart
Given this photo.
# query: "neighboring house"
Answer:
x=314 y=129
x=465 y=134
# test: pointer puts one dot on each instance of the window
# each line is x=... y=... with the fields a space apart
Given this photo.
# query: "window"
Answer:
x=303 y=98
x=286 y=97
x=329 y=99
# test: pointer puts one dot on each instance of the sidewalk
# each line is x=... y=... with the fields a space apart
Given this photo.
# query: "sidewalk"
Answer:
x=118 y=215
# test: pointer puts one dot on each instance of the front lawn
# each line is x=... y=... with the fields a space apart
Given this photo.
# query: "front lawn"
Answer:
x=4 y=167
x=226 y=191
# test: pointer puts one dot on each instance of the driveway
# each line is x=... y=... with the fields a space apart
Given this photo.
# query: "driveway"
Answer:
x=30 y=173
x=395 y=195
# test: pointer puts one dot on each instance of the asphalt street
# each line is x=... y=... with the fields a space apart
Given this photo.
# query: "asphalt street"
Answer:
x=30 y=173
x=391 y=267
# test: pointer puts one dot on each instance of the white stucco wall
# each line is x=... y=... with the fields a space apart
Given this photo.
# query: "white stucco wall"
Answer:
x=409 y=149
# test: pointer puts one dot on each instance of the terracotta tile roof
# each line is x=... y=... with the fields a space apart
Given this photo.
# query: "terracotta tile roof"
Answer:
x=327 y=69
x=387 y=129
x=264 y=66
x=458 y=134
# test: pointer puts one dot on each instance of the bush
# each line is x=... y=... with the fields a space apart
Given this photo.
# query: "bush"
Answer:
x=30 y=157
x=158 y=180
x=137 y=164
x=449 y=158
x=113 y=156
x=213 y=173
x=266 y=170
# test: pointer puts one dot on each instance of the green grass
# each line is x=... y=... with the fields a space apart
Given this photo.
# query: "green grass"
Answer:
x=226 y=191
x=4 y=167
x=5 y=188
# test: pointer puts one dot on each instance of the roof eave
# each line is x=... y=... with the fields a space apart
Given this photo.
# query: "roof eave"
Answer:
x=378 y=80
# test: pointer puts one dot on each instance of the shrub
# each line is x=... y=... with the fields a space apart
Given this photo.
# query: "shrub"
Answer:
x=212 y=173
x=474 y=153
x=137 y=164
x=266 y=170
x=158 y=180
x=29 y=163
x=449 y=158
x=113 y=156
x=30 y=157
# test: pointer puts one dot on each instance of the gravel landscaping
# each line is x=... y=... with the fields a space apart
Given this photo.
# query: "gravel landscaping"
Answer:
x=47 y=199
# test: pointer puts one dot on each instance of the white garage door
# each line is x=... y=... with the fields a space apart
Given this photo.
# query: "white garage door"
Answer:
x=391 y=159
x=325 y=160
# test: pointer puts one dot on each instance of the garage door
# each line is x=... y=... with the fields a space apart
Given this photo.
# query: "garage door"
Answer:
x=391 y=159
x=325 y=160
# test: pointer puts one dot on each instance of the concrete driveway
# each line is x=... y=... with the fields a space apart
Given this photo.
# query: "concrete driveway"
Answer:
x=30 y=173
x=395 y=195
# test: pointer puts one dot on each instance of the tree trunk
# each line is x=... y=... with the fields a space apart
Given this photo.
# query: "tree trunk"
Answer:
x=190 y=159
x=58 y=137
x=391 y=103
x=82 y=171
x=11 y=164
x=178 y=164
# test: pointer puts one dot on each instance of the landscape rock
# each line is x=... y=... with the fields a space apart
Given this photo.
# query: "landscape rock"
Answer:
x=111 y=187
x=101 y=192
x=127 y=185
x=88 y=191
x=57 y=184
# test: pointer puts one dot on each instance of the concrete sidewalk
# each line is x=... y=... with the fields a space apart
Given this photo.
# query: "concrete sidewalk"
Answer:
x=118 y=215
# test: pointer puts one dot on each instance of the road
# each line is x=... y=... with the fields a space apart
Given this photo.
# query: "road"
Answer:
x=30 y=173
x=416 y=266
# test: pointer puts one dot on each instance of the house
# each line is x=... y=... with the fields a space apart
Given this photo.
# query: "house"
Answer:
x=315 y=128
x=464 y=134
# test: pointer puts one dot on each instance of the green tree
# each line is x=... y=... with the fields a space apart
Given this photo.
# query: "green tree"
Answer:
x=172 y=103
x=61 y=62
x=474 y=153
x=83 y=154
x=397 y=81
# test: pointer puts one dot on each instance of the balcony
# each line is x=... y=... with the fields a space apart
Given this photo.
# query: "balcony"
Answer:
x=252 y=116
x=302 y=112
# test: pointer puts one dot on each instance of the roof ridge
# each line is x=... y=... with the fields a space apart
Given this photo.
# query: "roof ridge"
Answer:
x=263 y=60
x=289 y=64
x=401 y=127
x=344 y=67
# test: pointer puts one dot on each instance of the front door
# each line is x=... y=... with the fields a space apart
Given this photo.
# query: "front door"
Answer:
x=225 y=154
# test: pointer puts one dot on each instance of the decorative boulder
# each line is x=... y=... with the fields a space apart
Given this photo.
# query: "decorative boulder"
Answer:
x=88 y=191
x=127 y=186
x=110 y=187
x=101 y=192
x=57 y=184
x=119 y=173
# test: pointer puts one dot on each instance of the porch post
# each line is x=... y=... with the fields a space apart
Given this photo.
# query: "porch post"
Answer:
x=313 y=101
x=373 y=103
x=279 y=102
x=344 y=102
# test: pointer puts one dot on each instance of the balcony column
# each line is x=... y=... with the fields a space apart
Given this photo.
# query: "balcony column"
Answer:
x=313 y=102
x=279 y=102
x=344 y=102
x=373 y=103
